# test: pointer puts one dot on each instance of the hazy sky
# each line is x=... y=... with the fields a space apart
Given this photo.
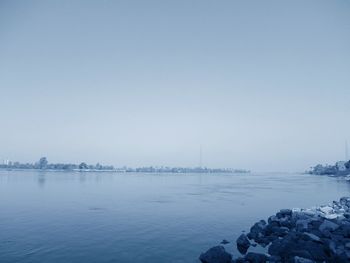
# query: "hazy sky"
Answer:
x=262 y=85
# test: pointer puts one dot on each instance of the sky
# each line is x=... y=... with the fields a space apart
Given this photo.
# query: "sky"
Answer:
x=260 y=85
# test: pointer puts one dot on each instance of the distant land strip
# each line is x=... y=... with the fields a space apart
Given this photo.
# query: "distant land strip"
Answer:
x=43 y=164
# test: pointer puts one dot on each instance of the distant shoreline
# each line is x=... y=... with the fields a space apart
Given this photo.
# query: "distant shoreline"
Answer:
x=44 y=165
x=126 y=171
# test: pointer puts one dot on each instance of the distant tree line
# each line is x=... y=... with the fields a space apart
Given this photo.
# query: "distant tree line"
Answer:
x=339 y=168
x=43 y=164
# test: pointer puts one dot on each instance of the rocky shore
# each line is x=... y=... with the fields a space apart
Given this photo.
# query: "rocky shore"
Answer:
x=318 y=234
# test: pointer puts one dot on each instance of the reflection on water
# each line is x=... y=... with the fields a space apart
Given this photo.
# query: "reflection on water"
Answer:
x=111 y=217
x=41 y=178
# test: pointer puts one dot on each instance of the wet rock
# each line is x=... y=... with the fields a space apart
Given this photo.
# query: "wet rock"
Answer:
x=311 y=237
x=294 y=245
x=302 y=224
x=252 y=257
x=224 y=242
x=216 y=254
x=257 y=230
x=345 y=201
x=302 y=260
x=273 y=219
x=326 y=209
x=346 y=215
x=318 y=234
x=280 y=231
x=286 y=222
x=286 y=212
x=328 y=225
x=243 y=244
x=240 y=260
x=274 y=259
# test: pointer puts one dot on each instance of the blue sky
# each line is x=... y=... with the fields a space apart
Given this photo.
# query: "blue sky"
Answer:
x=262 y=85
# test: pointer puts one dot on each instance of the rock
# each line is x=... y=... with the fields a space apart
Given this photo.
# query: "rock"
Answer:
x=331 y=216
x=326 y=209
x=328 y=225
x=286 y=212
x=279 y=231
x=344 y=201
x=240 y=260
x=286 y=222
x=312 y=237
x=224 y=242
x=293 y=245
x=216 y=254
x=257 y=229
x=343 y=230
x=274 y=259
x=302 y=260
x=302 y=224
x=309 y=212
x=319 y=234
x=243 y=244
x=272 y=219
x=252 y=257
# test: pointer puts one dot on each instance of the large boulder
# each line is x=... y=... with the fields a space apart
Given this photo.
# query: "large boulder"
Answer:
x=243 y=244
x=216 y=254
x=257 y=230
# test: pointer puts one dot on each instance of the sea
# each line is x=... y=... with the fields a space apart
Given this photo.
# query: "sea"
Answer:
x=75 y=217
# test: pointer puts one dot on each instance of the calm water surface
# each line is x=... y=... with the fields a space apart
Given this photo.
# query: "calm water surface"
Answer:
x=112 y=217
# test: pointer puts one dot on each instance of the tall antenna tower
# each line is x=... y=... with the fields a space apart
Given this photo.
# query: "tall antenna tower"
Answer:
x=346 y=151
x=200 y=156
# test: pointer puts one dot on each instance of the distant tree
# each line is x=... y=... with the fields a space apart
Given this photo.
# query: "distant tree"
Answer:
x=43 y=163
x=83 y=166
x=98 y=166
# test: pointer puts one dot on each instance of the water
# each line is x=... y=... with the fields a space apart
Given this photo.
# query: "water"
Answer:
x=111 y=217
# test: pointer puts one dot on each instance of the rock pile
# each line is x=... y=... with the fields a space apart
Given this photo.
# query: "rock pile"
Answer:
x=319 y=234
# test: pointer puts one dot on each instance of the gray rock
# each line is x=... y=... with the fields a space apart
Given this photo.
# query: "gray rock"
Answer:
x=272 y=219
x=286 y=222
x=243 y=244
x=240 y=260
x=319 y=234
x=302 y=224
x=302 y=260
x=257 y=230
x=256 y=257
x=293 y=245
x=216 y=254
x=275 y=259
x=312 y=237
x=328 y=225
x=224 y=242
x=286 y=212
x=344 y=201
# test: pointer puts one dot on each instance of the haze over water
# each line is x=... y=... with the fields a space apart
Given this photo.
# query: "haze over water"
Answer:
x=110 y=217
